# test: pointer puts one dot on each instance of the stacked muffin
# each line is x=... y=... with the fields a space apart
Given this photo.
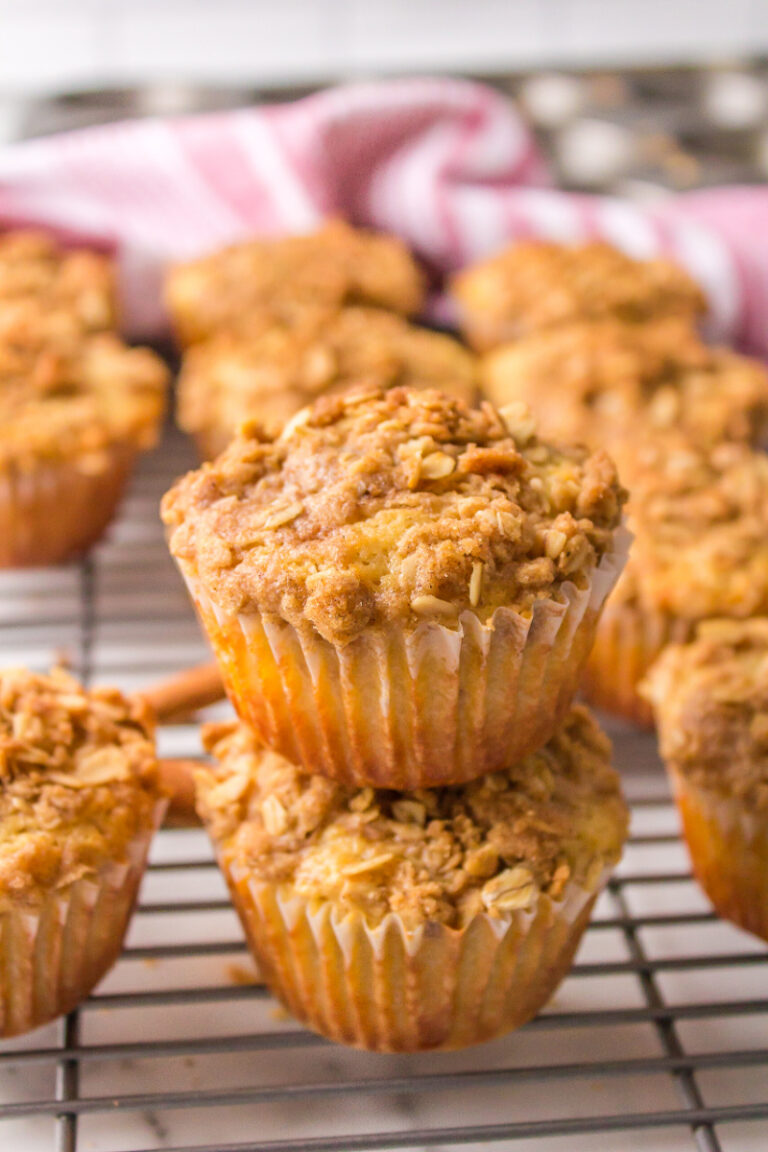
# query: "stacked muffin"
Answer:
x=76 y=404
x=270 y=326
x=605 y=350
x=413 y=820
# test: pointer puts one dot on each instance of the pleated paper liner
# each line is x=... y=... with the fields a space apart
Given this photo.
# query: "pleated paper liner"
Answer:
x=55 y=510
x=405 y=709
x=53 y=955
x=627 y=641
x=388 y=989
x=728 y=845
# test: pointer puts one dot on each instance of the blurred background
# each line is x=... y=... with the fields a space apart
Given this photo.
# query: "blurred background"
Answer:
x=635 y=96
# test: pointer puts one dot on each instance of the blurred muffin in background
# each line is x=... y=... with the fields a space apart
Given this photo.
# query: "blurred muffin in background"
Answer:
x=700 y=521
x=48 y=294
x=268 y=374
x=74 y=416
x=533 y=285
x=409 y=921
x=710 y=700
x=278 y=279
x=603 y=381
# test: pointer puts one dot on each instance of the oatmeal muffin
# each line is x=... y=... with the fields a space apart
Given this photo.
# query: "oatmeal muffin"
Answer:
x=710 y=699
x=48 y=294
x=700 y=523
x=411 y=921
x=79 y=803
x=596 y=381
x=74 y=417
x=401 y=590
x=268 y=375
x=534 y=285
x=278 y=280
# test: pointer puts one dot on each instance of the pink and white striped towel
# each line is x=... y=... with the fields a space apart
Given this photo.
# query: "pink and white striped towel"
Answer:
x=447 y=164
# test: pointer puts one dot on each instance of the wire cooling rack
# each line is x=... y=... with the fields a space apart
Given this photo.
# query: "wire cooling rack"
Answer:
x=658 y=1039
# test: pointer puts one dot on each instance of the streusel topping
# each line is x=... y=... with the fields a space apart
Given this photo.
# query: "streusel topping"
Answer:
x=270 y=374
x=711 y=703
x=440 y=854
x=533 y=285
x=700 y=520
x=74 y=399
x=78 y=779
x=596 y=380
x=398 y=504
x=48 y=294
x=283 y=277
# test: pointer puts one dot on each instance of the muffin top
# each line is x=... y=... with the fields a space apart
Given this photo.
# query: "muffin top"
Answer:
x=711 y=704
x=441 y=854
x=700 y=519
x=393 y=505
x=47 y=294
x=594 y=380
x=269 y=374
x=533 y=285
x=74 y=399
x=283 y=277
x=78 y=780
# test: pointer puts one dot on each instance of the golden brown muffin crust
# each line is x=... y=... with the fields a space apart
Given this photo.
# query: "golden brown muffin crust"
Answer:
x=534 y=285
x=700 y=520
x=439 y=854
x=78 y=779
x=268 y=375
x=596 y=380
x=279 y=279
x=74 y=399
x=398 y=504
x=711 y=704
x=48 y=294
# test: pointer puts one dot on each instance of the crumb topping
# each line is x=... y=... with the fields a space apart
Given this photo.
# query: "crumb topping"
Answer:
x=283 y=277
x=594 y=380
x=77 y=398
x=269 y=374
x=78 y=779
x=440 y=854
x=700 y=520
x=534 y=285
x=711 y=704
x=48 y=294
x=398 y=504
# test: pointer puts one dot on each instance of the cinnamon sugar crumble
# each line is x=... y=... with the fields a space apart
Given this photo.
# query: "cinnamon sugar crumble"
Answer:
x=270 y=372
x=280 y=279
x=534 y=285
x=48 y=294
x=76 y=398
x=700 y=520
x=439 y=854
x=78 y=778
x=594 y=380
x=711 y=703
x=380 y=504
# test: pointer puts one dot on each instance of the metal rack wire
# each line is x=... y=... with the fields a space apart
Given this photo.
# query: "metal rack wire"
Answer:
x=657 y=1040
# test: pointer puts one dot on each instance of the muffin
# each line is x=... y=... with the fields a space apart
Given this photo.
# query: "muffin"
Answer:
x=79 y=803
x=269 y=374
x=74 y=417
x=49 y=294
x=432 y=919
x=534 y=285
x=710 y=699
x=597 y=380
x=401 y=590
x=700 y=522
x=278 y=280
